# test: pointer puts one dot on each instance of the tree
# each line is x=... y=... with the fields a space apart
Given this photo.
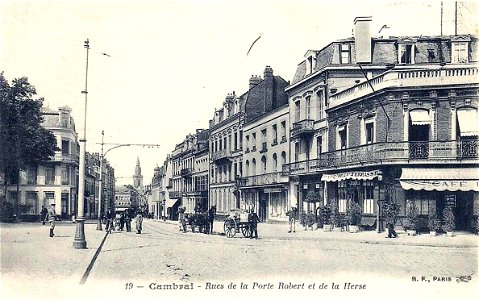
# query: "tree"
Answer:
x=23 y=141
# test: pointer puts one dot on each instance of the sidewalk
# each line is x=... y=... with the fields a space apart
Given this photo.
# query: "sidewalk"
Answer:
x=30 y=258
x=279 y=231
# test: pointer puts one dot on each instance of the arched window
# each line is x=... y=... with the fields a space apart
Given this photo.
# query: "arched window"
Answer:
x=263 y=164
x=253 y=166
x=275 y=162
x=283 y=158
x=246 y=171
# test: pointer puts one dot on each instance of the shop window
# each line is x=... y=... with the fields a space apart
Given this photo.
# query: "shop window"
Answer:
x=342 y=196
x=368 y=197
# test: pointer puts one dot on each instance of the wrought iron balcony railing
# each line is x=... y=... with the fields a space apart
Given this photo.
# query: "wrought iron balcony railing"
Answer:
x=174 y=194
x=221 y=154
x=263 y=179
x=66 y=158
x=386 y=153
x=302 y=127
x=186 y=172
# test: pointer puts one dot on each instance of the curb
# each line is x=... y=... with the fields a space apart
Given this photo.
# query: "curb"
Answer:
x=93 y=260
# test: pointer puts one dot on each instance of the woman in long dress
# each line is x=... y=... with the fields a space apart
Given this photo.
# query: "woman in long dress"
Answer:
x=139 y=222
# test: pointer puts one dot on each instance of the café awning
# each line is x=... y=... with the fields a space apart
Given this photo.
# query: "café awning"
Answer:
x=440 y=179
x=355 y=175
x=468 y=122
x=420 y=117
x=170 y=202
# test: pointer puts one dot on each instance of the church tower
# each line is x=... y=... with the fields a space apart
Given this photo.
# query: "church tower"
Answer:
x=138 y=178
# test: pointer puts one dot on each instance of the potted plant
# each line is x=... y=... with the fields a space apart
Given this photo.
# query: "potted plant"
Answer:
x=449 y=220
x=433 y=223
x=354 y=216
x=326 y=217
x=412 y=215
x=310 y=220
x=335 y=218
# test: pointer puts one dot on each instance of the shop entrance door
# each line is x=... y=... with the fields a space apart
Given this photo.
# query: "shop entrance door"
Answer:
x=263 y=207
x=463 y=211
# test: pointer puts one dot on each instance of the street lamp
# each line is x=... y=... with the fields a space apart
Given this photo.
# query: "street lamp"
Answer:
x=80 y=242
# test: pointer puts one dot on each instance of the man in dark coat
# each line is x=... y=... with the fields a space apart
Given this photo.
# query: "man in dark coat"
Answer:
x=43 y=214
x=253 y=223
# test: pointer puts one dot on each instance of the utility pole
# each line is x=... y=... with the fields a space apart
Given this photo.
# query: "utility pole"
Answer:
x=442 y=13
x=100 y=193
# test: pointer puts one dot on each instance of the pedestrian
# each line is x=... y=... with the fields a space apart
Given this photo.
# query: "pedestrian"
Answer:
x=139 y=222
x=253 y=220
x=122 y=221
x=128 y=221
x=43 y=214
x=109 y=221
x=211 y=218
x=391 y=232
x=292 y=216
x=181 y=216
x=51 y=216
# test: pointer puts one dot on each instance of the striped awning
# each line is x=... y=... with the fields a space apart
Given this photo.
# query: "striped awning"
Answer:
x=355 y=175
x=420 y=117
x=440 y=179
x=468 y=122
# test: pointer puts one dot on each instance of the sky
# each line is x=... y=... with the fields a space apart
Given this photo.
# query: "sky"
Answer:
x=171 y=63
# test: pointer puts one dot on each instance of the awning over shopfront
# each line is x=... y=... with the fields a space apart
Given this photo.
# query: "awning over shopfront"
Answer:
x=468 y=122
x=355 y=175
x=420 y=117
x=170 y=202
x=440 y=179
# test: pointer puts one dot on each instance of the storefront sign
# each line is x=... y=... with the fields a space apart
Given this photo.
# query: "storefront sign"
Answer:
x=356 y=175
x=440 y=185
x=272 y=190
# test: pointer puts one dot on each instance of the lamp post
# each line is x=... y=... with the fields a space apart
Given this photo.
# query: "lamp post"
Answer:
x=79 y=241
x=380 y=179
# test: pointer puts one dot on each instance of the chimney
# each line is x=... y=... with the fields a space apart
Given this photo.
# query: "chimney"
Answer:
x=254 y=80
x=268 y=72
x=362 y=38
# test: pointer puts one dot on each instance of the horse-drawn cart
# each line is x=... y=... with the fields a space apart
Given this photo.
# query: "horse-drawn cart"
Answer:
x=237 y=221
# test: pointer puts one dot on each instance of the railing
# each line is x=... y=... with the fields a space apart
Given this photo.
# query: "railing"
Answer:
x=381 y=153
x=186 y=172
x=435 y=76
x=202 y=194
x=263 y=179
x=174 y=194
x=302 y=127
x=66 y=158
x=221 y=154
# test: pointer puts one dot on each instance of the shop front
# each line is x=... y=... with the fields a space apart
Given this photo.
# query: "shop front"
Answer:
x=434 y=189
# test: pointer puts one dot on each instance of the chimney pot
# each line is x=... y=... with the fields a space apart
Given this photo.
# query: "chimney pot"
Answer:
x=362 y=39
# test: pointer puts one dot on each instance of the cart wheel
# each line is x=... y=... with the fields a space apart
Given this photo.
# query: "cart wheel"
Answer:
x=229 y=227
x=246 y=230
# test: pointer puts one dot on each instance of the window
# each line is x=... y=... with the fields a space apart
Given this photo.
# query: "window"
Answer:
x=246 y=171
x=342 y=137
x=13 y=197
x=49 y=198
x=422 y=201
x=296 y=151
x=311 y=60
x=263 y=140
x=297 y=112
x=459 y=53
x=247 y=143
x=253 y=141
x=31 y=175
x=321 y=104
x=216 y=145
x=240 y=168
x=65 y=147
x=275 y=162
x=49 y=175
x=253 y=166
x=406 y=53
x=283 y=131
x=368 y=197
x=345 y=54
x=308 y=107
x=229 y=141
x=224 y=142
x=342 y=196
x=369 y=132
x=236 y=141
x=283 y=158
x=319 y=145
x=241 y=138
x=263 y=164
x=65 y=175
x=275 y=134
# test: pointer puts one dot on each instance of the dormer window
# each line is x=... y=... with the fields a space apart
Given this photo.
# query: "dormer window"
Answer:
x=406 y=53
x=459 y=52
x=310 y=61
x=345 y=54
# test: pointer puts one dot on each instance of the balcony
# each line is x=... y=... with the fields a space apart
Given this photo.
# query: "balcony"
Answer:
x=263 y=179
x=65 y=158
x=175 y=194
x=304 y=127
x=186 y=172
x=433 y=152
x=201 y=194
x=221 y=155
x=432 y=76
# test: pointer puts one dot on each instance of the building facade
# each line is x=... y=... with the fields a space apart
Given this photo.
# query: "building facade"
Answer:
x=408 y=132
x=55 y=180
